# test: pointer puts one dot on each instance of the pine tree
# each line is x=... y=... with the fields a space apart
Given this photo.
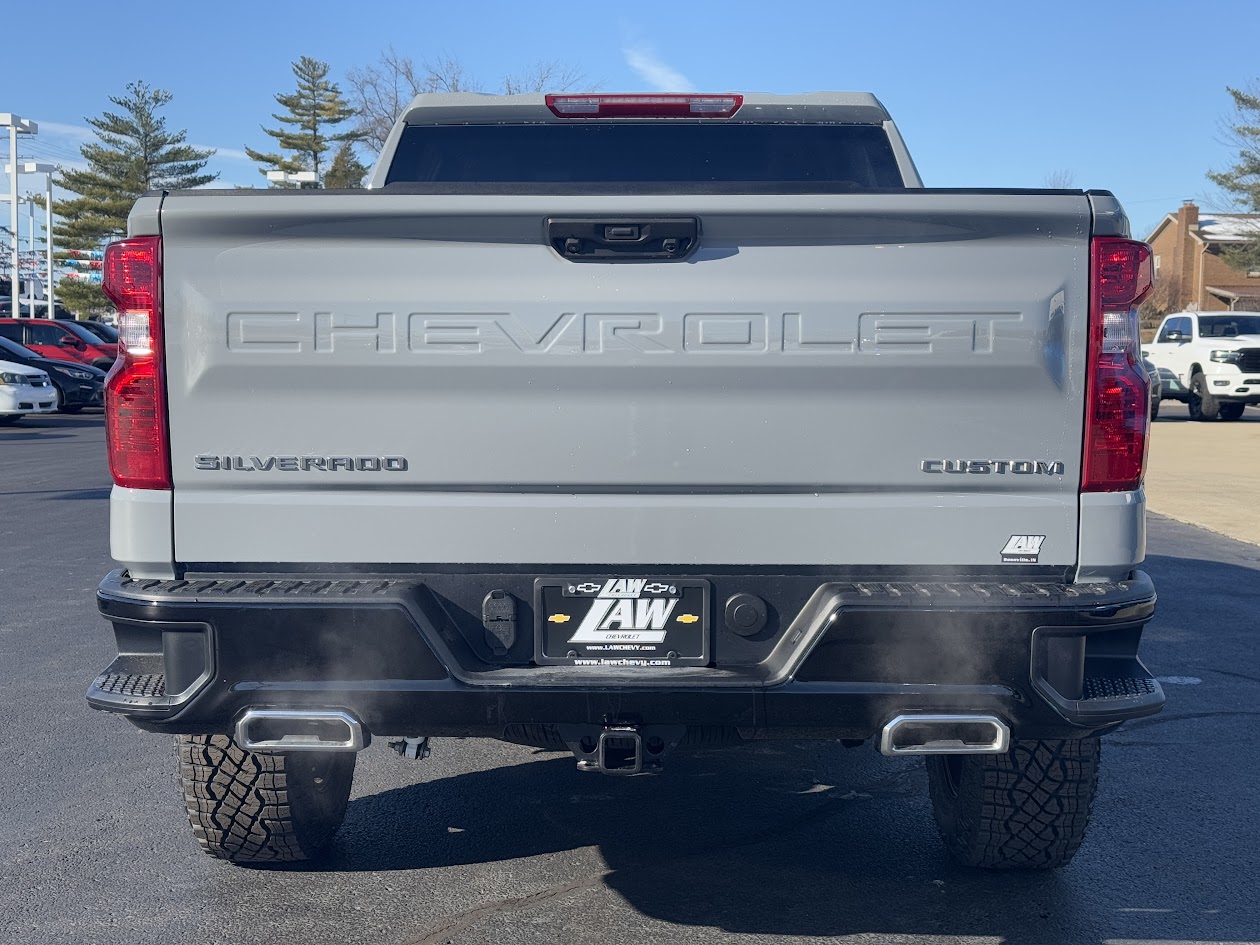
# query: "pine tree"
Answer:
x=1242 y=181
x=134 y=152
x=305 y=131
x=346 y=170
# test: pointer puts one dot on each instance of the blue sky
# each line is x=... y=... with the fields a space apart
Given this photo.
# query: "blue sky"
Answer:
x=1125 y=96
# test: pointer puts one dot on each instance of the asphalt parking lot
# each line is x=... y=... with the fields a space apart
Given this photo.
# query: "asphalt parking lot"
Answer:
x=487 y=842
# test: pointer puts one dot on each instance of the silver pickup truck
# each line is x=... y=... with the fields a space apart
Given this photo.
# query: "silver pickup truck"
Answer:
x=622 y=424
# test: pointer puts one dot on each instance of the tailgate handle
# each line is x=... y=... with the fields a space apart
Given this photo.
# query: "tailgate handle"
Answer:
x=589 y=239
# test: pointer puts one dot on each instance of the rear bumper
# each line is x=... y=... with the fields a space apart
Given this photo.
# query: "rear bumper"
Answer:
x=837 y=659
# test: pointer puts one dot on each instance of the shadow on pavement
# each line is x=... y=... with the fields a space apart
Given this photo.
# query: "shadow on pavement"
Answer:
x=58 y=494
x=812 y=840
x=8 y=434
x=786 y=839
x=1174 y=412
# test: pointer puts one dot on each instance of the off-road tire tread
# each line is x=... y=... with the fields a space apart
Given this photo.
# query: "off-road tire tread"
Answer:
x=258 y=807
x=1232 y=411
x=1026 y=809
x=1199 y=389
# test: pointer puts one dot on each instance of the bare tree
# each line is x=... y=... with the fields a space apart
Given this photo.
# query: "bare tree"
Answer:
x=382 y=90
x=548 y=76
x=447 y=74
x=1165 y=297
x=1061 y=179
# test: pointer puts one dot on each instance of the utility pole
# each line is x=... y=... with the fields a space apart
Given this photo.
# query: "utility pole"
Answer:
x=16 y=125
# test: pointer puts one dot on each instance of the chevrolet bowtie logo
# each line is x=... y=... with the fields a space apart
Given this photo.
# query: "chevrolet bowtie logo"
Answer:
x=687 y=618
x=559 y=618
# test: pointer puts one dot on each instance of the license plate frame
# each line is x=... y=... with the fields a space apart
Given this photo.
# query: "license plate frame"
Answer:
x=632 y=623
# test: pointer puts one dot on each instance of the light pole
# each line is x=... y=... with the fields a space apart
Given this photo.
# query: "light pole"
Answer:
x=34 y=167
x=306 y=180
x=15 y=236
x=30 y=251
x=16 y=125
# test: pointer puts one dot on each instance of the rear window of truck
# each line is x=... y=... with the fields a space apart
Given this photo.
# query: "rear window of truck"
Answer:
x=855 y=157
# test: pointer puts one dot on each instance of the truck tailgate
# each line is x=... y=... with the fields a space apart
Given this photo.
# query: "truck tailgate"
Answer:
x=865 y=379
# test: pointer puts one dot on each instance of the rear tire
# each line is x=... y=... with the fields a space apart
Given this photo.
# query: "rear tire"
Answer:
x=1155 y=410
x=1232 y=411
x=257 y=807
x=1203 y=406
x=61 y=404
x=1026 y=809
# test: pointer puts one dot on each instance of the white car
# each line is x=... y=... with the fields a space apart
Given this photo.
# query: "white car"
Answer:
x=1215 y=356
x=24 y=390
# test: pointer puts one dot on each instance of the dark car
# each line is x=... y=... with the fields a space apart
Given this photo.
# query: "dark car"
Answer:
x=107 y=333
x=1157 y=386
x=1171 y=387
x=78 y=385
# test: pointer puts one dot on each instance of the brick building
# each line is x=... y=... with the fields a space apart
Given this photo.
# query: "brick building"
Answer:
x=1187 y=246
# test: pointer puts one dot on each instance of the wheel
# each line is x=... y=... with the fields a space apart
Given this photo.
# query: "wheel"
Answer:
x=1232 y=411
x=256 y=807
x=61 y=404
x=1026 y=809
x=1203 y=406
x=1155 y=409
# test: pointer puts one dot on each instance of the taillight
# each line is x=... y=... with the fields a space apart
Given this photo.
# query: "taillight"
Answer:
x=644 y=106
x=135 y=392
x=1117 y=389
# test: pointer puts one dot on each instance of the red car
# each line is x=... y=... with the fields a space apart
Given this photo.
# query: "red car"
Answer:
x=64 y=341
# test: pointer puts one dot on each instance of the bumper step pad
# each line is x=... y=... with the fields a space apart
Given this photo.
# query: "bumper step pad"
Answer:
x=1101 y=687
x=147 y=685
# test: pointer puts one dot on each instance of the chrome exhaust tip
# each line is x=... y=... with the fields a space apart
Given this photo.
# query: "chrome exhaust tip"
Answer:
x=299 y=730
x=945 y=735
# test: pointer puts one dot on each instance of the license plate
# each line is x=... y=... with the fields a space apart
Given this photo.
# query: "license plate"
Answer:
x=621 y=622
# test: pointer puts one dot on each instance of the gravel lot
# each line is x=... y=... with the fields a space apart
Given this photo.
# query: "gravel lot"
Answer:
x=494 y=843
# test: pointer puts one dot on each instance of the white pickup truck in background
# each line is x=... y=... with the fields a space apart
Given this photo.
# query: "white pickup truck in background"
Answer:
x=1216 y=356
